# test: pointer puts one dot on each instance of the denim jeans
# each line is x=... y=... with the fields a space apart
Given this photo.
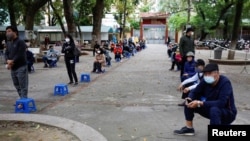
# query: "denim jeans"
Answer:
x=20 y=81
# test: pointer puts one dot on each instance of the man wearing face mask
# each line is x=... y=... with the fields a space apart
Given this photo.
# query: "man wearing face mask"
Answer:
x=212 y=98
x=17 y=61
x=50 y=59
x=186 y=45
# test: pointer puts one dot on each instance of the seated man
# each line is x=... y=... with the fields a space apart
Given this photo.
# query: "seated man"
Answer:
x=212 y=98
x=99 y=62
x=50 y=59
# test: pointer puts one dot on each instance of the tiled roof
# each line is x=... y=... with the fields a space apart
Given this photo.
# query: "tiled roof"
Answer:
x=159 y=15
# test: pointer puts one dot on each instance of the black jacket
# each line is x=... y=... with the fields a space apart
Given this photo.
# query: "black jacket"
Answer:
x=68 y=50
x=16 y=51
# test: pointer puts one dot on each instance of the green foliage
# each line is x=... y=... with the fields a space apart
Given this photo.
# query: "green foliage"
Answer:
x=177 y=21
x=3 y=16
x=135 y=24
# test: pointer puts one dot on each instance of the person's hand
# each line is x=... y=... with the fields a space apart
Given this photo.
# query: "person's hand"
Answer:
x=192 y=104
x=10 y=62
x=186 y=90
x=180 y=88
x=8 y=66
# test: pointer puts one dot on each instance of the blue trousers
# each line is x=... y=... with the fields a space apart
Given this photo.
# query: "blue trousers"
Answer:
x=217 y=115
x=20 y=81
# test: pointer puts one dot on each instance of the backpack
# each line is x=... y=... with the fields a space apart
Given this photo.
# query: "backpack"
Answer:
x=77 y=52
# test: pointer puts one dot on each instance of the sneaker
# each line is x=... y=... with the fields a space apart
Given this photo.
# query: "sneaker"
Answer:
x=76 y=83
x=45 y=66
x=185 y=131
x=70 y=83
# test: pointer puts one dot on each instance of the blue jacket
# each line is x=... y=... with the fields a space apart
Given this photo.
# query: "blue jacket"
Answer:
x=221 y=95
x=189 y=68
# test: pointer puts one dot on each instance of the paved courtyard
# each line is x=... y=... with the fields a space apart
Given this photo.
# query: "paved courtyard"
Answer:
x=134 y=100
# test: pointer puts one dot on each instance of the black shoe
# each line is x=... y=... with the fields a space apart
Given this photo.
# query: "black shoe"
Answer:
x=185 y=131
x=45 y=66
x=181 y=104
x=76 y=83
x=70 y=83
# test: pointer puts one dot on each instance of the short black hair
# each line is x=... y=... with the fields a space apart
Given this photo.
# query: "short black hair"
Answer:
x=13 y=28
x=211 y=67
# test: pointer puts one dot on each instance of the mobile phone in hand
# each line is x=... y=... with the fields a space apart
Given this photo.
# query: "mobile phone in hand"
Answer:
x=189 y=100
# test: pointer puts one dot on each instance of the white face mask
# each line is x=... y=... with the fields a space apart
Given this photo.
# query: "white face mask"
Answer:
x=192 y=33
x=67 y=39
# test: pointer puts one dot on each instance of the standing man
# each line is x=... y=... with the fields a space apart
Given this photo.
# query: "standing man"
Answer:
x=186 y=45
x=17 y=61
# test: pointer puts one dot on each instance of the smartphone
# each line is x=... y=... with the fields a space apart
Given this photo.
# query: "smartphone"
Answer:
x=189 y=100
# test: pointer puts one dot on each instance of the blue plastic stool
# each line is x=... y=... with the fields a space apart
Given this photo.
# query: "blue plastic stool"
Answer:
x=28 y=105
x=85 y=77
x=61 y=89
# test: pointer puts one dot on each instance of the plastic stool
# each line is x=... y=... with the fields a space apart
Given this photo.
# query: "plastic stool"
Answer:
x=28 y=105
x=61 y=89
x=85 y=77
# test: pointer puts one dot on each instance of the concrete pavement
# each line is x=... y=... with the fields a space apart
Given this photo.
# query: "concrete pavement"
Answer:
x=133 y=100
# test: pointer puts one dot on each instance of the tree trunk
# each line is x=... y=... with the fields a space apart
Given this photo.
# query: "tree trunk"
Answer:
x=68 y=13
x=58 y=17
x=12 y=12
x=236 y=28
x=97 y=21
x=30 y=11
x=225 y=29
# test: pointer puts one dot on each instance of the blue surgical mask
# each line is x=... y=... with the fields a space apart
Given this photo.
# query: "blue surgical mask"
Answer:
x=209 y=79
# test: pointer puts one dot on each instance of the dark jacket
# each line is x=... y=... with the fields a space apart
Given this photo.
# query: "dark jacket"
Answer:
x=30 y=57
x=16 y=51
x=221 y=95
x=186 y=44
x=68 y=50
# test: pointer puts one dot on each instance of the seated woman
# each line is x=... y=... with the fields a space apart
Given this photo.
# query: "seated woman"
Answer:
x=99 y=62
x=189 y=67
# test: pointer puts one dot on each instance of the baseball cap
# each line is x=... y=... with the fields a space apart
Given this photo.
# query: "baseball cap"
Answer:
x=211 y=67
x=190 y=53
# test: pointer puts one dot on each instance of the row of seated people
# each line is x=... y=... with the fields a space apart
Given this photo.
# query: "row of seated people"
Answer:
x=50 y=58
x=103 y=58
